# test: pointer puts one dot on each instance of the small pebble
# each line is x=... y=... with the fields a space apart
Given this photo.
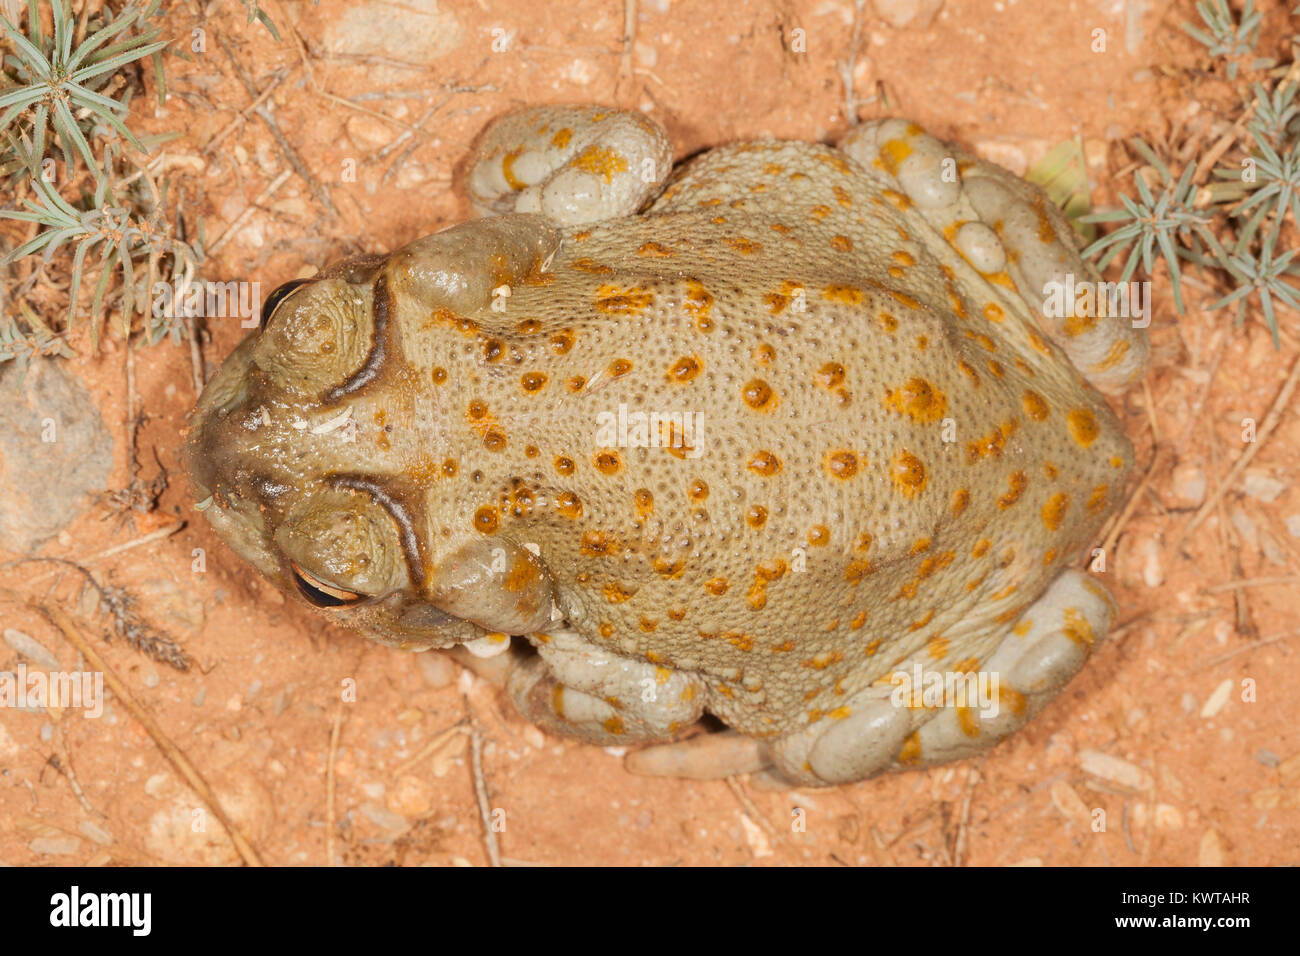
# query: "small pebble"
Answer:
x=94 y=831
x=1267 y=757
x=411 y=174
x=1276 y=798
x=412 y=796
x=54 y=846
x=759 y=845
x=87 y=602
x=1260 y=485
x=32 y=649
x=1218 y=699
x=1272 y=549
x=1188 y=484
x=1153 y=574
x=908 y=13
x=465 y=682
x=393 y=824
x=1068 y=801
x=1168 y=817
x=1114 y=769
x=368 y=132
x=1211 y=851
x=280 y=703
x=1245 y=528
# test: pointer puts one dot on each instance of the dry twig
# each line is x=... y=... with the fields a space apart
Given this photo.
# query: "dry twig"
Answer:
x=173 y=754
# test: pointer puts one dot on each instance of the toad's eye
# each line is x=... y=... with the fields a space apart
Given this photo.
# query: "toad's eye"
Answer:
x=319 y=593
x=280 y=293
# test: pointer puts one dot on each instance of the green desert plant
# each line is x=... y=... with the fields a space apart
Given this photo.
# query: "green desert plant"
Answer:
x=107 y=218
x=1234 y=228
x=1277 y=114
x=1261 y=273
x=1225 y=37
x=126 y=234
x=255 y=12
x=56 y=81
x=38 y=339
x=1165 y=223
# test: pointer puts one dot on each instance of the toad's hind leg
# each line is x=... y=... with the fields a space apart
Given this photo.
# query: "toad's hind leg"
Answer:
x=1009 y=231
x=574 y=689
x=1045 y=647
x=573 y=165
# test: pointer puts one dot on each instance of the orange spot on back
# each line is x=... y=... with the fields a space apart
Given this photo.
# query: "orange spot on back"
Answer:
x=907 y=474
x=917 y=399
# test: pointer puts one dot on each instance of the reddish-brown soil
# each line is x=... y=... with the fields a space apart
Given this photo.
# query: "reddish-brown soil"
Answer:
x=1178 y=744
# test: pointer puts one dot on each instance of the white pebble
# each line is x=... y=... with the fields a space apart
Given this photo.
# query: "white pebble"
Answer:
x=1168 y=817
x=94 y=831
x=1245 y=527
x=1116 y=770
x=907 y=13
x=1210 y=852
x=1259 y=485
x=1189 y=484
x=1218 y=699
x=32 y=649
x=54 y=846
x=1153 y=574
x=755 y=837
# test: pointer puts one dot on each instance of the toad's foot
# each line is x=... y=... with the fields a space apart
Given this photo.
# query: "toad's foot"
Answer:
x=574 y=165
x=882 y=729
x=703 y=757
x=574 y=689
x=1009 y=231
x=890 y=729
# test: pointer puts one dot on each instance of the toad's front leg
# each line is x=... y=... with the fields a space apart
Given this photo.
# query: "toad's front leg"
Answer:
x=573 y=688
x=572 y=164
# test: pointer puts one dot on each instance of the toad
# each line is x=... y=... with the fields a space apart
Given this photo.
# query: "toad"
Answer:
x=749 y=437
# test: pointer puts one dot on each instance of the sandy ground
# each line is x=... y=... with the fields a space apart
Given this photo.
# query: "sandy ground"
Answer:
x=1180 y=737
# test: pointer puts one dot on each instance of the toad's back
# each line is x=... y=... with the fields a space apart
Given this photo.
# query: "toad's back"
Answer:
x=851 y=476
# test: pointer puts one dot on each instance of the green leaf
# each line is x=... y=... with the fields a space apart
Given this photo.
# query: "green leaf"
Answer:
x=1064 y=177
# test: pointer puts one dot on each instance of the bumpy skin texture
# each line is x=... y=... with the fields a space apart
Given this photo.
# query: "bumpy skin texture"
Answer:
x=893 y=460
